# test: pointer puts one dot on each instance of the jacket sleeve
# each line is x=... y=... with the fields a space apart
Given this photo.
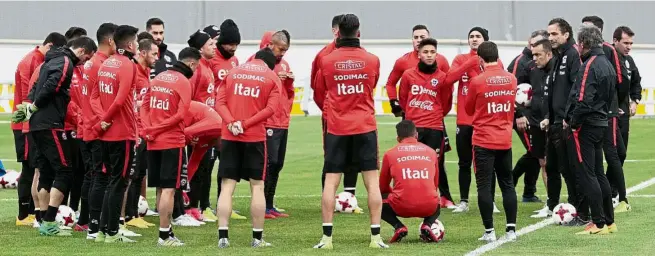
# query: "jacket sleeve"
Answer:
x=57 y=69
x=403 y=90
x=315 y=67
x=272 y=101
x=221 y=103
x=124 y=90
x=457 y=71
x=183 y=107
x=442 y=63
x=204 y=128
x=574 y=66
x=319 y=89
x=385 y=176
x=635 y=82
x=582 y=97
x=24 y=75
x=394 y=76
x=446 y=93
x=471 y=98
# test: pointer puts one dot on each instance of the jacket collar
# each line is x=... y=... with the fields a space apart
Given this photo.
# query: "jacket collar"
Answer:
x=527 y=52
x=409 y=140
x=594 y=51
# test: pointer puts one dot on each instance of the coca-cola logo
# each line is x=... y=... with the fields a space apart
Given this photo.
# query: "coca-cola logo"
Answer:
x=422 y=104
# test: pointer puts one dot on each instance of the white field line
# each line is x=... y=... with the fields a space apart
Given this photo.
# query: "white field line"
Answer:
x=542 y=224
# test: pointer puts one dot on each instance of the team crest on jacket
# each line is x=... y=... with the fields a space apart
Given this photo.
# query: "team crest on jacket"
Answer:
x=233 y=64
x=284 y=67
x=350 y=65
x=434 y=82
x=63 y=136
x=168 y=58
x=269 y=132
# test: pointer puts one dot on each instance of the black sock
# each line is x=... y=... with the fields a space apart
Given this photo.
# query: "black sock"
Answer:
x=464 y=200
x=128 y=218
x=489 y=230
x=398 y=225
x=164 y=233
x=350 y=190
x=375 y=230
x=43 y=214
x=222 y=233
x=50 y=214
x=23 y=209
x=510 y=227
x=37 y=213
x=170 y=233
x=327 y=229
x=257 y=233
x=121 y=221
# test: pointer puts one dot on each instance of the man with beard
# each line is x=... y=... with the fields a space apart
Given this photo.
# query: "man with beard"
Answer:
x=155 y=26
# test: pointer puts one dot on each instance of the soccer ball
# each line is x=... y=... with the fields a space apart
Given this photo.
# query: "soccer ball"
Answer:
x=346 y=202
x=524 y=94
x=10 y=179
x=438 y=230
x=615 y=201
x=564 y=213
x=143 y=206
x=65 y=216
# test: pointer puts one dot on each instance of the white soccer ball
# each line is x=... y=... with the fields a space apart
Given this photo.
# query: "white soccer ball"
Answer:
x=524 y=94
x=564 y=213
x=615 y=201
x=438 y=230
x=66 y=216
x=10 y=179
x=143 y=206
x=346 y=202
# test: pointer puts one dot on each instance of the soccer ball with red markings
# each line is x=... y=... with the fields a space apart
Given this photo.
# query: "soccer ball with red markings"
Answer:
x=143 y=206
x=346 y=202
x=438 y=230
x=564 y=213
x=10 y=179
x=65 y=216
x=524 y=94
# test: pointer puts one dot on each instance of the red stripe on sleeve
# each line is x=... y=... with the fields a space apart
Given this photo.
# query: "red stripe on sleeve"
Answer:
x=584 y=78
x=516 y=64
x=617 y=64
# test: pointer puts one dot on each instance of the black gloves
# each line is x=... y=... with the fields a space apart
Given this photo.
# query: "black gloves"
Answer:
x=395 y=108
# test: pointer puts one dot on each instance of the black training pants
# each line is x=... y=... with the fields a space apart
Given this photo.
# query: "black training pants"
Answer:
x=487 y=162
x=624 y=126
x=87 y=184
x=464 y=142
x=528 y=164
x=100 y=182
x=614 y=149
x=72 y=199
x=557 y=163
x=136 y=180
x=276 y=150
x=435 y=140
x=200 y=179
x=118 y=157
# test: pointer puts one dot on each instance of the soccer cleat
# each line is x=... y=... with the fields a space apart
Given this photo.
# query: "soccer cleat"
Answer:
x=325 y=243
x=275 y=213
x=81 y=228
x=118 y=238
x=236 y=216
x=541 y=209
x=126 y=232
x=445 y=203
x=543 y=213
x=209 y=215
x=170 y=242
x=358 y=210
x=622 y=207
x=398 y=235
x=269 y=216
x=488 y=237
x=100 y=237
x=195 y=213
x=591 y=229
x=186 y=221
x=376 y=242
x=462 y=207
x=511 y=236
x=279 y=209
x=27 y=221
x=496 y=210
x=256 y=243
x=223 y=243
x=531 y=199
x=612 y=228
x=90 y=236
x=151 y=213
x=427 y=235
x=52 y=229
x=577 y=222
x=36 y=224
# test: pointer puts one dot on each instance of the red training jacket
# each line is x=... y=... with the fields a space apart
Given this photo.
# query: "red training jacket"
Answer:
x=142 y=84
x=165 y=105
x=464 y=84
x=319 y=96
x=24 y=72
x=202 y=84
x=220 y=66
x=414 y=169
x=349 y=75
x=491 y=103
x=250 y=94
x=90 y=96
x=73 y=113
x=204 y=125
x=116 y=82
x=408 y=61
x=32 y=81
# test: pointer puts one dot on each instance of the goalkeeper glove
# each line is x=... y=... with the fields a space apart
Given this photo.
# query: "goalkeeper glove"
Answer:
x=395 y=108
x=23 y=112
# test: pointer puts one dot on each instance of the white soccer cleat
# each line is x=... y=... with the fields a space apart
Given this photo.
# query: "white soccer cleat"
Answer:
x=36 y=224
x=183 y=221
x=223 y=243
x=152 y=213
x=91 y=237
x=496 y=210
x=511 y=236
x=126 y=232
x=545 y=207
x=543 y=213
x=488 y=237
x=256 y=243
x=192 y=219
x=462 y=207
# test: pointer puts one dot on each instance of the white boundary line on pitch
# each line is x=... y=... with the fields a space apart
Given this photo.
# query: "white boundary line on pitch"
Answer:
x=542 y=224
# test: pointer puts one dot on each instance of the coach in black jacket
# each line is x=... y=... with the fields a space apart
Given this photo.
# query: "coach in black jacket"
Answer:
x=586 y=113
x=155 y=26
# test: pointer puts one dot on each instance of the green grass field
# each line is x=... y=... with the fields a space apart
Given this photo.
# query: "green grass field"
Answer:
x=299 y=193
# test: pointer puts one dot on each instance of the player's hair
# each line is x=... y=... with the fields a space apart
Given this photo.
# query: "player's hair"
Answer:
x=124 y=34
x=405 y=129
x=540 y=32
x=144 y=35
x=589 y=36
x=545 y=43
x=488 y=51
x=153 y=21
x=597 y=21
x=282 y=36
x=349 y=26
x=145 y=44
x=428 y=41
x=420 y=27
x=336 y=19
x=618 y=32
x=189 y=53
x=563 y=26
x=105 y=32
x=57 y=40
x=85 y=43
x=74 y=32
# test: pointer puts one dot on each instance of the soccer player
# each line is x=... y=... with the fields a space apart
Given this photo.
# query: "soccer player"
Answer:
x=412 y=166
x=74 y=33
x=50 y=95
x=165 y=105
x=116 y=128
x=350 y=177
x=245 y=100
x=622 y=41
x=145 y=59
x=24 y=71
x=491 y=104
x=528 y=118
x=202 y=90
x=91 y=111
x=558 y=165
x=155 y=26
x=349 y=75
x=476 y=36
x=586 y=113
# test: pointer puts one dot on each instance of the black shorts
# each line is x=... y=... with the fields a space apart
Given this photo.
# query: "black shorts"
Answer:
x=360 y=149
x=165 y=168
x=19 y=143
x=534 y=139
x=141 y=161
x=432 y=138
x=242 y=160
x=54 y=149
x=32 y=150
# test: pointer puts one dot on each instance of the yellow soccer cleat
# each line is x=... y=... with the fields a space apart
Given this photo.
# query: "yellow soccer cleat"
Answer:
x=376 y=242
x=358 y=210
x=236 y=216
x=325 y=243
x=100 y=237
x=622 y=207
x=612 y=228
x=591 y=229
x=209 y=216
x=27 y=221
x=137 y=223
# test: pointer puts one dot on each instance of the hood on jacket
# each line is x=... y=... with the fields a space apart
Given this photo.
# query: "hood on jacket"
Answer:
x=61 y=51
x=266 y=39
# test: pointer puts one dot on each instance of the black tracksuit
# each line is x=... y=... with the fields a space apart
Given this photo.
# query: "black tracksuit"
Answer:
x=634 y=94
x=587 y=110
x=166 y=60
x=564 y=73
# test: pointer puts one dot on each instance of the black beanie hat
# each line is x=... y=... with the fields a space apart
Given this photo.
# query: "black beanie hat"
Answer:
x=229 y=33
x=267 y=56
x=198 y=39
x=484 y=32
x=212 y=31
